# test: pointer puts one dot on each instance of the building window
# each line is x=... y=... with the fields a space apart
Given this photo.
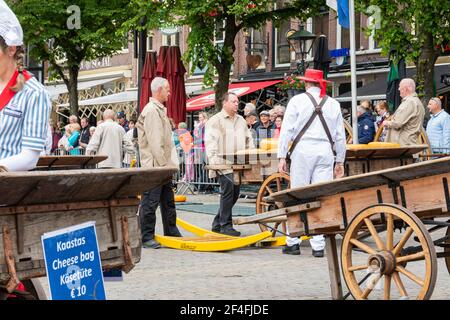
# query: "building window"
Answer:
x=345 y=34
x=282 y=53
x=257 y=46
x=171 y=39
x=150 y=42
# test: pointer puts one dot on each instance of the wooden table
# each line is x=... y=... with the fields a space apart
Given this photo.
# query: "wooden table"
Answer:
x=63 y=162
x=373 y=159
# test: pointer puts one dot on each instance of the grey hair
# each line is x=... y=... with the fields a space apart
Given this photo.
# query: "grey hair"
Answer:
x=158 y=83
x=410 y=83
x=437 y=101
x=108 y=114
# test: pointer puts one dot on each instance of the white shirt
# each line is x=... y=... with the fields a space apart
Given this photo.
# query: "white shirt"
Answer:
x=298 y=112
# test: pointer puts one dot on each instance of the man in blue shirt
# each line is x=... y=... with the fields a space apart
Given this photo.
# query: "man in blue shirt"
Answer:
x=438 y=127
x=366 y=125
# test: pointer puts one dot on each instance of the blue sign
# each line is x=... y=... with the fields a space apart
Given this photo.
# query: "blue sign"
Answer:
x=73 y=264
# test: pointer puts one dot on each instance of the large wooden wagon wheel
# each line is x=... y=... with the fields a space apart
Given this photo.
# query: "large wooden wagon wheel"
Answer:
x=274 y=183
x=384 y=267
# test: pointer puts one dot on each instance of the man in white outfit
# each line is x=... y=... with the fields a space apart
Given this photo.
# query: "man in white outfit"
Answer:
x=317 y=154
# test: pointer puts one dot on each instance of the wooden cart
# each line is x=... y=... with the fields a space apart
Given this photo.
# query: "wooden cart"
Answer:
x=33 y=203
x=382 y=216
x=260 y=168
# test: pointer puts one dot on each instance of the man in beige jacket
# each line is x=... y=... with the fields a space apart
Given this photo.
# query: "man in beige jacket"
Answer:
x=225 y=133
x=404 y=126
x=109 y=139
x=157 y=150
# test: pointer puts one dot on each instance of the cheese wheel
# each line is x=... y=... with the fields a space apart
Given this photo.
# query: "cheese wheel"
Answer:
x=383 y=145
x=180 y=198
x=268 y=144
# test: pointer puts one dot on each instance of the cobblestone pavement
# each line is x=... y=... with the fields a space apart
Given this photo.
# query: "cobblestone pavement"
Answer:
x=251 y=273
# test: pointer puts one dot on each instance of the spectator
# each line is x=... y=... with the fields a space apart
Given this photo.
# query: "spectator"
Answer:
x=175 y=138
x=366 y=126
x=108 y=139
x=186 y=143
x=84 y=135
x=272 y=115
x=279 y=109
x=129 y=157
x=382 y=110
x=199 y=151
x=252 y=122
x=265 y=129
x=122 y=118
x=249 y=107
x=438 y=127
x=91 y=132
x=73 y=119
x=56 y=135
x=278 y=122
x=366 y=104
x=63 y=143
x=73 y=135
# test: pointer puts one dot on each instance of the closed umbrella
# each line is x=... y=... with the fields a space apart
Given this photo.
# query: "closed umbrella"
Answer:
x=175 y=71
x=397 y=71
x=322 y=58
x=148 y=74
x=162 y=63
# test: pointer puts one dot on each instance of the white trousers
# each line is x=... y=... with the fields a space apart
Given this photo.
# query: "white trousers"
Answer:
x=311 y=162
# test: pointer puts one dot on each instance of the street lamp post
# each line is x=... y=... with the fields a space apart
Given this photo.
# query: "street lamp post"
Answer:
x=306 y=41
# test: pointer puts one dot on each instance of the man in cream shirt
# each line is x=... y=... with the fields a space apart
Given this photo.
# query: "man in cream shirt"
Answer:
x=226 y=133
x=404 y=126
x=109 y=139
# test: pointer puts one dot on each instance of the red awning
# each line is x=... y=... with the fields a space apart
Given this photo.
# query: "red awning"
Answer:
x=241 y=89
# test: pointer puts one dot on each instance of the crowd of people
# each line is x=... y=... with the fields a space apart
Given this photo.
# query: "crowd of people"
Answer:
x=405 y=123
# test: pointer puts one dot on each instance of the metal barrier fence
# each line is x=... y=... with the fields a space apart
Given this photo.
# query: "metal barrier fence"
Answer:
x=192 y=175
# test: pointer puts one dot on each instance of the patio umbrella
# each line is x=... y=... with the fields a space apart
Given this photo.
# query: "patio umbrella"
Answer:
x=397 y=71
x=174 y=72
x=162 y=63
x=322 y=57
x=148 y=74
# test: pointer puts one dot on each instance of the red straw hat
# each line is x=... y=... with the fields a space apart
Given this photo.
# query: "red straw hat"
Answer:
x=313 y=75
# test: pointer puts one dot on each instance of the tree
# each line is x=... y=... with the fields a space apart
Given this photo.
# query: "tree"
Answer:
x=419 y=30
x=65 y=33
x=205 y=19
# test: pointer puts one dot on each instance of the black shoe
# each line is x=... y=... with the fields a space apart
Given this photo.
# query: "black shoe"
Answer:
x=151 y=244
x=216 y=229
x=294 y=250
x=318 y=253
x=230 y=232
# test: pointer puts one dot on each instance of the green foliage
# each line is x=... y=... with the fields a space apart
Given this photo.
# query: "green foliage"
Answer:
x=47 y=32
x=408 y=24
x=208 y=17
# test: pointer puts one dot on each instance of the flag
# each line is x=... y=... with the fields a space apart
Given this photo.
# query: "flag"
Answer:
x=343 y=13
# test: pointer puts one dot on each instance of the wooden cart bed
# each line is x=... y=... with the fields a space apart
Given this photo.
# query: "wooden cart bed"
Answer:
x=32 y=203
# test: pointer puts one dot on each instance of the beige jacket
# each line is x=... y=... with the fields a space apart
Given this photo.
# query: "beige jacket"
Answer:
x=224 y=135
x=108 y=140
x=156 y=146
x=404 y=126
